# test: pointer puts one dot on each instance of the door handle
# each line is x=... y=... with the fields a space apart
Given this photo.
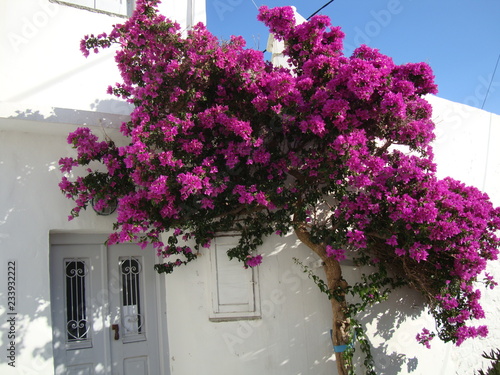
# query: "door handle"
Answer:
x=116 y=328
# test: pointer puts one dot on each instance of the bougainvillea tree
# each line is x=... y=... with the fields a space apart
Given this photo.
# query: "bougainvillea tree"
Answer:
x=335 y=149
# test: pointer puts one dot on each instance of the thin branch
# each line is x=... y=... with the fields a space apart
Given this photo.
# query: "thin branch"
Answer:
x=384 y=148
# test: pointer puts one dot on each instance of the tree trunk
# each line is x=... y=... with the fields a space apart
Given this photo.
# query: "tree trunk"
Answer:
x=336 y=284
x=340 y=322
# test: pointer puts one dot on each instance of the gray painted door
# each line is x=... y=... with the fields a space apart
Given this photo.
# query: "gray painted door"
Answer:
x=104 y=307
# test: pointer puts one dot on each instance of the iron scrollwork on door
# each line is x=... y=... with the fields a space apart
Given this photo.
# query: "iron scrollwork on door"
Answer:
x=77 y=324
x=132 y=315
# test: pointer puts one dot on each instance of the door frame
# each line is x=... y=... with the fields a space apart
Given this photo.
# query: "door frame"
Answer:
x=90 y=238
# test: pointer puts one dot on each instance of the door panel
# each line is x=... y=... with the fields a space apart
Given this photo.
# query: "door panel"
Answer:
x=104 y=308
x=137 y=347
x=136 y=366
x=86 y=369
x=78 y=317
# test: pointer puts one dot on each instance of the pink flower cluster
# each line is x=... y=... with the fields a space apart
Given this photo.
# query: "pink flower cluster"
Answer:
x=337 y=254
x=425 y=337
x=253 y=261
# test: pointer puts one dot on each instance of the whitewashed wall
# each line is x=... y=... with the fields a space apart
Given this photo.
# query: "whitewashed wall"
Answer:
x=466 y=148
x=41 y=61
x=48 y=89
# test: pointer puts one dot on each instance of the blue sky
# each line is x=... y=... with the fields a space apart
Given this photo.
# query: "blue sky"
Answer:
x=459 y=39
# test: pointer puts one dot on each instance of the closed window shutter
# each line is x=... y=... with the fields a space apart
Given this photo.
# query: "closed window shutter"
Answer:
x=234 y=288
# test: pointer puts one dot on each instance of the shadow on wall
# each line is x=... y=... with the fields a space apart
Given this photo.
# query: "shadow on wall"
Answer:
x=109 y=113
x=25 y=333
x=28 y=166
x=304 y=322
x=292 y=337
x=20 y=342
x=389 y=341
x=115 y=106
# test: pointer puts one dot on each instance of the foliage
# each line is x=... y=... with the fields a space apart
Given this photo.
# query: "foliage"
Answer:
x=494 y=356
x=336 y=146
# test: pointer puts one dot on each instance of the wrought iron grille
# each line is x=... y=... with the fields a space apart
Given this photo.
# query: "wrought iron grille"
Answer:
x=132 y=318
x=77 y=325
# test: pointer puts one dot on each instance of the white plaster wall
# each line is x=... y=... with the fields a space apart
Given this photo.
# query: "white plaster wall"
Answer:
x=466 y=148
x=30 y=207
x=466 y=145
x=41 y=61
x=48 y=89
x=44 y=64
x=291 y=338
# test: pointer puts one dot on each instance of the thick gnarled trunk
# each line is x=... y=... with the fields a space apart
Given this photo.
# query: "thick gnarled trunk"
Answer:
x=336 y=284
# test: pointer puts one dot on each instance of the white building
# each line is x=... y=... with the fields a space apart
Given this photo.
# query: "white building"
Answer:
x=83 y=308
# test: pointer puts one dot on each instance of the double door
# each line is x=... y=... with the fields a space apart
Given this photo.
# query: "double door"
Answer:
x=104 y=308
